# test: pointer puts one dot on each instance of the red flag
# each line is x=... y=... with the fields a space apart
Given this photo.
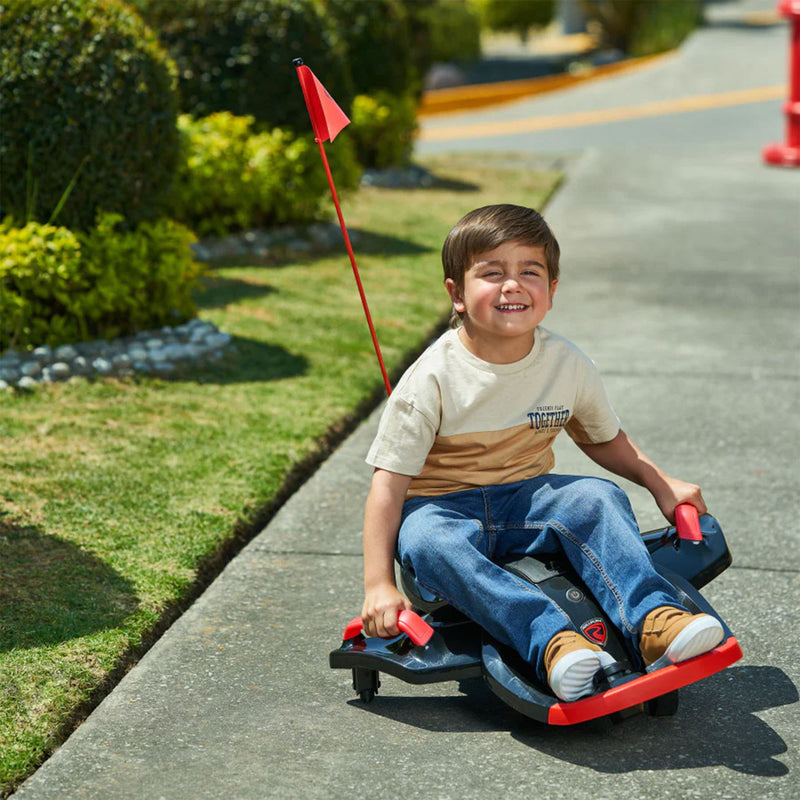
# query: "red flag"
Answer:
x=326 y=117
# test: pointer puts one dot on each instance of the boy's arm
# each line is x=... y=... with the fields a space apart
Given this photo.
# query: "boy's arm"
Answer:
x=622 y=457
x=382 y=600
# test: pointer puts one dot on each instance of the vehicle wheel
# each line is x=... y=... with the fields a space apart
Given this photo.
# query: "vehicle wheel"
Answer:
x=366 y=683
x=367 y=696
x=664 y=706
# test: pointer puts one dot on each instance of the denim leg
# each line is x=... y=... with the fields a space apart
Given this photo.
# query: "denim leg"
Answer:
x=591 y=521
x=446 y=542
x=449 y=543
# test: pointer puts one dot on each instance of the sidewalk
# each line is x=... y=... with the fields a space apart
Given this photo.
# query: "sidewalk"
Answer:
x=681 y=277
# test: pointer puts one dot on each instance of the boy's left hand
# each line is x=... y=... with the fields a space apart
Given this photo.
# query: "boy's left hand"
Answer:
x=674 y=492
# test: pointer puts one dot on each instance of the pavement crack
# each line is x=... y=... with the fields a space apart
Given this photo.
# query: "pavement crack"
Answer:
x=780 y=570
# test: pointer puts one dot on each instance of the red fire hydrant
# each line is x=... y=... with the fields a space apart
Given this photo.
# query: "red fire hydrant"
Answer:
x=788 y=153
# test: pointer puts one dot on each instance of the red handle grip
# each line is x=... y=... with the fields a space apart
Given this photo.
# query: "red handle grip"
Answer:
x=411 y=624
x=687 y=523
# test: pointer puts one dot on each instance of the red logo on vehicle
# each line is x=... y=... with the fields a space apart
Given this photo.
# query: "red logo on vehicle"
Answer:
x=595 y=630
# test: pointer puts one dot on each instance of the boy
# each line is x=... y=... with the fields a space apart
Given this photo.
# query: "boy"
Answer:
x=462 y=471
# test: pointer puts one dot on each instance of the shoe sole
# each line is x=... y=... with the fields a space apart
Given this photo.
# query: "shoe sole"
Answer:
x=698 y=637
x=573 y=674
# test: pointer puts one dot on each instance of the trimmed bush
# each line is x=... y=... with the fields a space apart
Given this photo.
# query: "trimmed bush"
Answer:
x=378 y=41
x=59 y=287
x=516 y=15
x=233 y=177
x=383 y=129
x=87 y=95
x=236 y=55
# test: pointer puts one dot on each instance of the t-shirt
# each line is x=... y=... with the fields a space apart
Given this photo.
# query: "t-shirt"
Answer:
x=455 y=422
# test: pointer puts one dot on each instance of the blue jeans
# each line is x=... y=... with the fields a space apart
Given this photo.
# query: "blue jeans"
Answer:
x=449 y=543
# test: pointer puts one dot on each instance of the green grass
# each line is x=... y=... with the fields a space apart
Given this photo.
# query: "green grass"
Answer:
x=119 y=500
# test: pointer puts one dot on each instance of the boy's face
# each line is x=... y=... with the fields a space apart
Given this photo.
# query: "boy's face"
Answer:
x=506 y=293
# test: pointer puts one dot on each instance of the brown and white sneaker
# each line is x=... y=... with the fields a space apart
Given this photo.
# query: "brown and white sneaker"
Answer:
x=671 y=635
x=571 y=662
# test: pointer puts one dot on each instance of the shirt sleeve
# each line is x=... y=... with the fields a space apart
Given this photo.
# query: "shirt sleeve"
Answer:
x=404 y=439
x=594 y=420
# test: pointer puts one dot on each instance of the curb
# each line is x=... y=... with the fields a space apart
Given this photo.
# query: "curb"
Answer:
x=460 y=98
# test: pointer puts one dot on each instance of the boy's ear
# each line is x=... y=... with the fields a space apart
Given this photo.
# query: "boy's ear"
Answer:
x=553 y=286
x=455 y=295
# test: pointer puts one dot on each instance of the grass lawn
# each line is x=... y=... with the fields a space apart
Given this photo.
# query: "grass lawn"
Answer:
x=119 y=500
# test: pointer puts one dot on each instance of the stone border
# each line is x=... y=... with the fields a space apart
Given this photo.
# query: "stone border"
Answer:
x=299 y=240
x=156 y=352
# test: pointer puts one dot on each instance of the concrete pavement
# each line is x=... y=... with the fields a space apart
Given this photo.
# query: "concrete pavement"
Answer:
x=681 y=277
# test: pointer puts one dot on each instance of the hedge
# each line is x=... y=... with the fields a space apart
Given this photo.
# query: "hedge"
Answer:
x=88 y=98
x=236 y=55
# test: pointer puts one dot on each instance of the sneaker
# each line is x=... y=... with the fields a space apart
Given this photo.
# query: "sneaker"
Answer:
x=672 y=635
x=571 y=662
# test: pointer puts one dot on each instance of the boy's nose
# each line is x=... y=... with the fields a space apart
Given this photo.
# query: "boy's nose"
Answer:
x=511 y=285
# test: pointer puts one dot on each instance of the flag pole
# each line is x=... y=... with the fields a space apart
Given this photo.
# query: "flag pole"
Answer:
x=298 y=62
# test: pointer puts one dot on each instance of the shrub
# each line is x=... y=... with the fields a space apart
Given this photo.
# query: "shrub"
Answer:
x=384 y=127
x=233 y=177
x=642 y=27
x=59 y=287
x=454 y=31
x=87 y=94
x=40 y=269
x=236 y=55
x=516 y=15
x=664 y=26
x=442 y=30
x=378 y=42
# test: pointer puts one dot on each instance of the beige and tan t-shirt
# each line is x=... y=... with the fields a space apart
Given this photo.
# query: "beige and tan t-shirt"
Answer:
x=456 y=422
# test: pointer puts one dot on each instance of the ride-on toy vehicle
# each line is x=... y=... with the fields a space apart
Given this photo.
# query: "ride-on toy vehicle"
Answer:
x=440 y=644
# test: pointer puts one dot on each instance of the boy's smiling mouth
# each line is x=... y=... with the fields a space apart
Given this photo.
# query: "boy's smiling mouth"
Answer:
x=511 y=307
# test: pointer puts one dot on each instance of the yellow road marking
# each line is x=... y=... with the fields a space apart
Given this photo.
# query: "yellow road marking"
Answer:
x=580 y=119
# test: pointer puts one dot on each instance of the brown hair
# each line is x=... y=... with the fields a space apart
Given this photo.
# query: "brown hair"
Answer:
x=488 y=227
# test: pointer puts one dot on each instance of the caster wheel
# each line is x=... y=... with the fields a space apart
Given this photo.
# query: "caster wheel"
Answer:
x=664 y=706
x=366 y=683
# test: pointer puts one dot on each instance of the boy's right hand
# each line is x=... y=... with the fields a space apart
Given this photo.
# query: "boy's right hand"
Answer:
x=379 y=612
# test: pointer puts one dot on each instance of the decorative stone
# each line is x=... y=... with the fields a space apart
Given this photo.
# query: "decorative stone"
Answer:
x=121 y=361
x=31 y=369
x=65 y=353
x=60 y=371
x=175 y=352
x=26 y=383
x=199 y=334
x=80 y=366
x=218 y=340
x=43 y=354
x=102 y=366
